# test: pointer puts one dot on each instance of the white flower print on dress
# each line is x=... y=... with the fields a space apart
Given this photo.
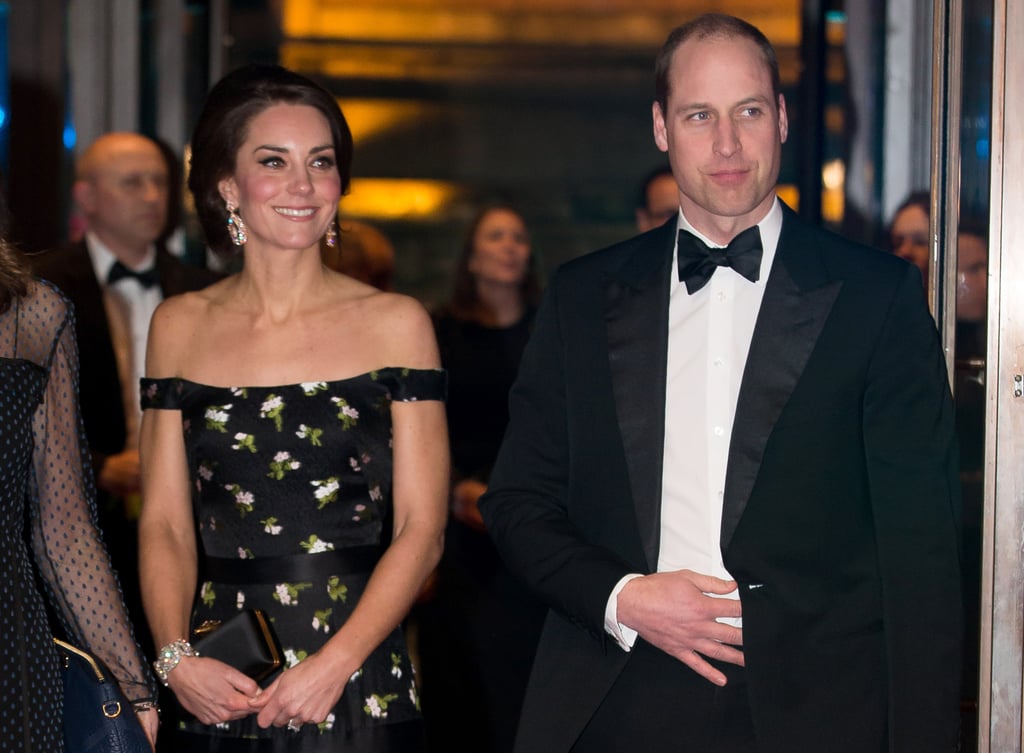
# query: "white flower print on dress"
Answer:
x=327 y=724
x=270 y=526
x=240 y=600
x=288 y=593
x=216 y=417
x=377 y=705
x=282 y=595
x=337 y=590
x=204 y=473
x=243 y=500
x=311 y=433
x=311 y=388
x=281 y=464
x=320 y=620
x=245 y=442
x=326 y=491
x=375 y=494
x=271 y=408
x=207 y=594
x=346 y=413
x=314 y=545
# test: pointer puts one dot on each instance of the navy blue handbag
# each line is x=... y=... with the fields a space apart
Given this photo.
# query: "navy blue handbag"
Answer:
x=97 y=716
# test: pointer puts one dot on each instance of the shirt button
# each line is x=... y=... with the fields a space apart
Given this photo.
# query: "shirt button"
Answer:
x=719 y=361
x=719 y=431
x=722 y=296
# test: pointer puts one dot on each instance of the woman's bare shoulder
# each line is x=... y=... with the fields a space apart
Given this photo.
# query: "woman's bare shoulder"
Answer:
x=175 y=324
x=406 y=329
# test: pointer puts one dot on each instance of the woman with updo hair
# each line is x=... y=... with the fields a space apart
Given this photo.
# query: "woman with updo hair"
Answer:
x=294 y=447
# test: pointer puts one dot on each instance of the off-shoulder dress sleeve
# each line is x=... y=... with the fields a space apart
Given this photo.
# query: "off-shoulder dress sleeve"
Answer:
x=410 y=385
x=161 y=394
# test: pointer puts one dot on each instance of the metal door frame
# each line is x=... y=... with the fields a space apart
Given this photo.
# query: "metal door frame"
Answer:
x=1002 y=598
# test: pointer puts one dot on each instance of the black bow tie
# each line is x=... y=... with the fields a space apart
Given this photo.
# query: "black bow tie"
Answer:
x=147 y=277
x=698 y=261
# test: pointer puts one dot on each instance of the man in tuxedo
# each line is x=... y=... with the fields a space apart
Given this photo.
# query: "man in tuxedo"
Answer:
x=731 y=472
x=116 y=276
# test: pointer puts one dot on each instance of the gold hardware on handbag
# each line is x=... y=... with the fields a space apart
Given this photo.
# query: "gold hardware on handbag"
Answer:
x=245 y=641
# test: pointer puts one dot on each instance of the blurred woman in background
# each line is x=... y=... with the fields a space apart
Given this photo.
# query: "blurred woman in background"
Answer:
x=480 y=629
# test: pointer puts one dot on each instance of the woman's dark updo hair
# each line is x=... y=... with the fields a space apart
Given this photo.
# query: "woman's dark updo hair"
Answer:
x=223 y=127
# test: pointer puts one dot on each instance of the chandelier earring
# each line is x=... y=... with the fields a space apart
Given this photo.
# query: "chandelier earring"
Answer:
x=236 y=228
x=331 y=236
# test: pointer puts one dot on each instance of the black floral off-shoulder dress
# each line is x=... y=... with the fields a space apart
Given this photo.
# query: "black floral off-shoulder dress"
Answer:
x=291 y=492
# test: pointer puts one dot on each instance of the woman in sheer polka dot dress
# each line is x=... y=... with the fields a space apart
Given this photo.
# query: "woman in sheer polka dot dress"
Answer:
x=48 y=523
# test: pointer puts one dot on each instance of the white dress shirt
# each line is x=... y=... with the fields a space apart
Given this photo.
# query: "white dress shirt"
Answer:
x=129 y=308
x=709 y=337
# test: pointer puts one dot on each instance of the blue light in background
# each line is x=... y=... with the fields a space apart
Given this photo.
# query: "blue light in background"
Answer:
x=5 y=89
x=981 y=147
x=70 y=136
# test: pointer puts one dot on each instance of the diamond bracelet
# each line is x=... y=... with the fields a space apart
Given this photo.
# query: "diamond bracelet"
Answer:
x=169 y=656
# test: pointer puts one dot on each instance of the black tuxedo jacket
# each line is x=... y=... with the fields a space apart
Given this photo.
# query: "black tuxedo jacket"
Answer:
x=841 y=496
x=71 y=270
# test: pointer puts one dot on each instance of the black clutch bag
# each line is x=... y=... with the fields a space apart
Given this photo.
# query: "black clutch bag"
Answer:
x=97 y=716
x=245 y=641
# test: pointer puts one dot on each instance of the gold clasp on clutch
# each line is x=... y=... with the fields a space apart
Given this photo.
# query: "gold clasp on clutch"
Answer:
x=206 y=627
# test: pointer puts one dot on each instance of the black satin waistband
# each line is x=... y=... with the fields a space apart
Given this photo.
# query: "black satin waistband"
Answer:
x=360 y=559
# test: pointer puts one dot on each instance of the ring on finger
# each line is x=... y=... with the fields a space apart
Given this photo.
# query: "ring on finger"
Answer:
x=294 y=726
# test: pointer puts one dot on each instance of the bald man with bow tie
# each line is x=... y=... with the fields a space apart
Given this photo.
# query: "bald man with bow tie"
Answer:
x=115 y=276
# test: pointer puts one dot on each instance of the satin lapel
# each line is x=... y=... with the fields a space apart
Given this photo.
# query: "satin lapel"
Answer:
x=636 y=319
x=797 y=301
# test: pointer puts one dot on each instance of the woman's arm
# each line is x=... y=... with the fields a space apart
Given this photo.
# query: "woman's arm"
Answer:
x=208 y=689
x=65 y=538
x=308 y=691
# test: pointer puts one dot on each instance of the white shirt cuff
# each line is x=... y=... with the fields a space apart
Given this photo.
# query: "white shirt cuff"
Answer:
x=623 y=635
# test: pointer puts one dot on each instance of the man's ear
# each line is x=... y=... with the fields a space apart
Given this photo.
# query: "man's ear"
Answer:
x=783 y=120
x=84 y=194
x=660 y=130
